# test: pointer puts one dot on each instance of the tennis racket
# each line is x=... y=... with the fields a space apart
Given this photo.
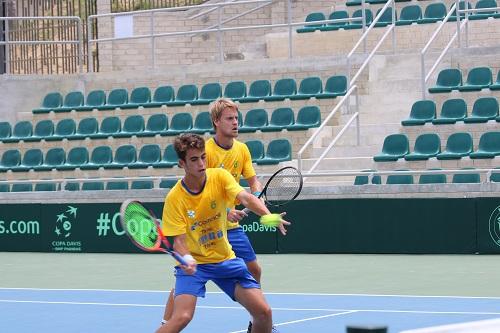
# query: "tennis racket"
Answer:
x=283 y=186
x=144 y=230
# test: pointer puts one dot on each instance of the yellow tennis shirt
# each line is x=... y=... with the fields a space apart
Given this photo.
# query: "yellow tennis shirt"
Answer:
x=237 y=160
x=202 y=216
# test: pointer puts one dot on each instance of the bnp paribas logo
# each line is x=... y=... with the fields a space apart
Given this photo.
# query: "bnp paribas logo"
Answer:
x=64 y=222
x=494 y=225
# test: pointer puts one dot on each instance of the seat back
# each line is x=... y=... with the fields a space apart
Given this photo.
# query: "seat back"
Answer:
x=235 y=90
x=22 y=187
x=486 y=4
x=23 y=129
x=450 y=77
x=182 y=121
x=168 y=183
x=203 y=121
x=142 y=185
x=125 y=154
x=364 y=180
x=282 y=117
x=480 y=76
x=396 y=144
x=73 y=99
x=11 y=158
x=309 y=115
x=435 y=10
x=285 y=87
x=424 y=109
x=311 y=86
x=454 y=108
x=150 y=153
x=141 y=95
x=187 y=93
x=386 y=15
x=157 y=123
x=93 y=186
x=460 y=143
x=411 y=13
x=485 y=107
x=490 y=142
x=211 y=91
x=256 y=118
x=110 y=125
x=118 y=97
x=133 y=124
x=337 y=15
x=169 y=155
x=96 y=98
x=279 y=149
x=101 y=155
x=78 y=156
x=256 y=148
x=359 y=13
x=466 y=178
x=428 y=143
x=55 y=157
x=52 y=100
x=5 y=130
x=312 y=17
x=116 y=185
x=259 y=88
x=164 y=94
x=44 y=128
x=87 y=126
x=336 y=84
x=66 y=127
x=432 y=178
x=399 y=179
x=45 y=187
x=32 y=157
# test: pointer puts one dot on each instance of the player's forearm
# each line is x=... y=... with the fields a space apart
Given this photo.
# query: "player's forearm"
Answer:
x=180 y=245
x=253 y=203
x=255 y=185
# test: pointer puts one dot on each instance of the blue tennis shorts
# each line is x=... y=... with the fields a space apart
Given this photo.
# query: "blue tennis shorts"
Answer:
x=241 y=244
x=225 y=275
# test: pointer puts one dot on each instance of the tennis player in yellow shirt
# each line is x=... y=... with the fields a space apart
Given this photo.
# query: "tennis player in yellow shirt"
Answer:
x=195 y=213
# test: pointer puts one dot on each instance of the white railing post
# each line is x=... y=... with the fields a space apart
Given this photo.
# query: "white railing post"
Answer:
x=7 y=48
x=290 y=35
x=219 y=34
x=90 y=60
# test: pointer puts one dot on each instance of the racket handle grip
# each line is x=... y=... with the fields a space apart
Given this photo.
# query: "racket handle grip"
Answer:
x=246 y=210
x=179 y=258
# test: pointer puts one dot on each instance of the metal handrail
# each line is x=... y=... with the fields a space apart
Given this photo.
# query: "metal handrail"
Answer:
x=323 y=124
x=79 y=42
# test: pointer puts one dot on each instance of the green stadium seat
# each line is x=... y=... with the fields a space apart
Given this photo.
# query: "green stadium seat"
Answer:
x=186 y=94
x=278 y=150
x=32 y=158
x=358 y=24
x=149 y=155
x=477 y=79
x=461 y=6
x=256 y=148
x=395 y=147
x=496 y=85
x=453 y=110
x=466 y=178
x=45 y=187
x=93 y=186
x=432 y=178
x=4 y=187
x=65 y=129
x=117 y=98
x=139 y=97
x=131 y=127
x=170 y=158
x=116 y=185
x=109 y=127
x=258 y=90
x=434 y=12
x=95 y=100
x=336 y=15
x=162 y=96
x=11 y=159
x=489 y=146
x=281 y=118
x=72 y=101
x=426 y=146
x=51 y=102
x=409 y=15
x=386 y=17
x=421 y=112
x=494 y=177
x=180 y=123
x=43 y=130
x=335 y=86
x=156 y=124
x=124 y=156
x=283 y=88
x=482 y=4
x=484 y=109
x=399 y=179
x=448 y=80
x=142 y=185
x=209 y=92
x=86 y=128
x=77 y=157
x=5 y=130
x=21 y=187
x=255 y=119
x=364 y=180
x=311 y=27
x=458 y=145
x=22 y=130
x=72 y=186
x=308 y=117
x=168 y=183
x=308 y=88
x=100 y=157
x=352 y=3
x=202 y=123
x=53 y=158
x=235 y=90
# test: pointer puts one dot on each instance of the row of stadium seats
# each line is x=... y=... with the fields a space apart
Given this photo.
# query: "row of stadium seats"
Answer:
x=453 y=110
x=125 y=156
x=351 y=3
x=434 y=178
x=428 y=145
x=188 y=94
x=157 y=124
x=478 y=78
x=86 y=186
x=410 y=14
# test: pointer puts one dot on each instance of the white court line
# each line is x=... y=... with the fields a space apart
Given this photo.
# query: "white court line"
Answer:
x=266 y=293
x=305 y=319
x=241 y=308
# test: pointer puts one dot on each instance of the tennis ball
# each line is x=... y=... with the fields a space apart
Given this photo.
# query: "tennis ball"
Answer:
x=271 y=220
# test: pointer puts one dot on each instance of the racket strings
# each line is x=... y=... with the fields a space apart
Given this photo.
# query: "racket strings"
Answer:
x=140 y=226
x=283 y=187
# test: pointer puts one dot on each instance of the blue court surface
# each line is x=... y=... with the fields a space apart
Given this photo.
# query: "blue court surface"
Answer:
x=107 y=311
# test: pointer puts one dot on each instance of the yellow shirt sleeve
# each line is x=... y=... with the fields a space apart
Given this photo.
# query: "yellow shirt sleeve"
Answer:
x=248 y=170
x=231 y=187
x=172 y=222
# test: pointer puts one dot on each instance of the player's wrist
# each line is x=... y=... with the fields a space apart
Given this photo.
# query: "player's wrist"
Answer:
x=188 y=258
x=257 y=193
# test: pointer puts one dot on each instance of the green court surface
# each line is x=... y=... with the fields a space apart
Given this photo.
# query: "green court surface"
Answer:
x=445 y=275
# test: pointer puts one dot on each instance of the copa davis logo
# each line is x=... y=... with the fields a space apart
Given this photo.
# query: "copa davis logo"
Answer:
x=494 y=225
x=63 y=230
